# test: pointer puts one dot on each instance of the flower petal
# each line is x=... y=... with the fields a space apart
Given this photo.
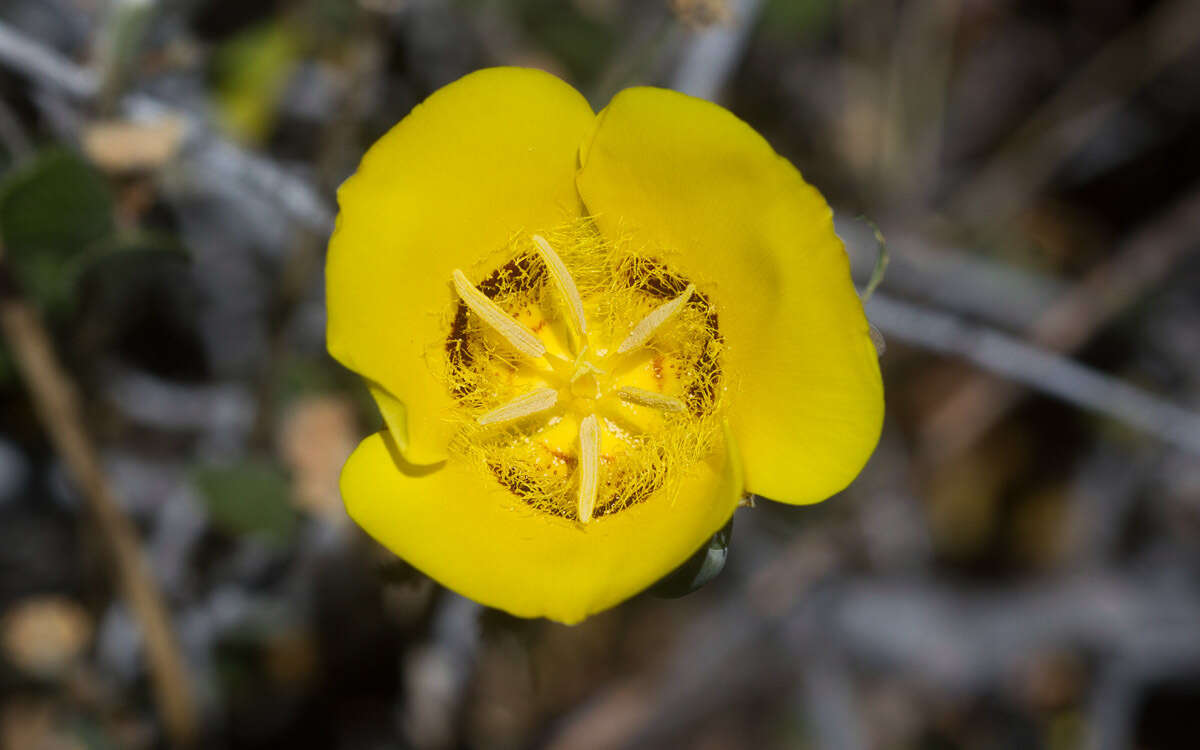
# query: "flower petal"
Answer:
x=466 y=531
x=483 y=158
x=686 y=179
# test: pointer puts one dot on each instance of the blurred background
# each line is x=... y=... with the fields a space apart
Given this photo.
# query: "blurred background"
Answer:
x=1017 y=567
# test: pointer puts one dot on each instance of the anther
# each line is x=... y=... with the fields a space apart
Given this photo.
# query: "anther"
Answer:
x=589 y=466
x=522 y=406
x=652 y=399
x=564 y=281
x=651 y=323
x=522 y=339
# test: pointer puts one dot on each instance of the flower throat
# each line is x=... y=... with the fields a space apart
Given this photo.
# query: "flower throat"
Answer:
x=588 y=375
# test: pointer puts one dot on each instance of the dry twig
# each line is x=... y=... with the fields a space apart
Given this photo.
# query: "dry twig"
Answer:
x=714 y=54
x=210 y=153
x=1142 y=262
x=1038 y=369
x=1031 y=156
x=56 y=403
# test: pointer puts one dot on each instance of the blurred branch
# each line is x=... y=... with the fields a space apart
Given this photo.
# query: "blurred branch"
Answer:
x=304 y=265
x=722 y=653
x=714 y=657
x=222 y=412
x=124 y=28
x=713 y=54
x=45 y=65
x=211 y=154
x=1141 y=262
x=971 y=641
x=1123 y=686
x=783 y=628
x=224 y=162
x=56 y=402
x=1036 y=368
x=651 y=45
x=1029 y=158
x=959 y=279
x=917 y=80
x=438 y=674
x=825 y=698
x=1106 y=488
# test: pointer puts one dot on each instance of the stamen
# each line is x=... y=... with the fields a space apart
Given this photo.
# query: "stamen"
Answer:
x=589 y=466
x=649 y=324
x=516 y=334
x=522 y=406
x=652 y=399
x=564 y=282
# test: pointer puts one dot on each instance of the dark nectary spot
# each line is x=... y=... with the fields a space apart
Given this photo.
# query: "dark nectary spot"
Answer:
x=656 y=280
x=522 y=274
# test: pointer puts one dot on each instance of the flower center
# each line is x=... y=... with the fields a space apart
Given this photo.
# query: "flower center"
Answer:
x=586 y=386
x=588 y=375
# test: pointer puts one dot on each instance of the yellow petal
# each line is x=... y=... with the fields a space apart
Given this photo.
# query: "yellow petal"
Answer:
x=481 y=160
x=462 y=528
x=689 y=182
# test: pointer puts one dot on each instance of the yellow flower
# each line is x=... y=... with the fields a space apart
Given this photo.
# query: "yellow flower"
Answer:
x=589 y=336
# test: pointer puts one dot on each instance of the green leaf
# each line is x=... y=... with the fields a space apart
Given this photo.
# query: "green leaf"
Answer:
x=251 y=497
x=88 y=734
x=52 y=211
x=252 y=71
x=700 y=568
x=798 y=18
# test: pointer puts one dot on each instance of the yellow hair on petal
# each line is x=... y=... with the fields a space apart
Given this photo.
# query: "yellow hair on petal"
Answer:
x=652 y=437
